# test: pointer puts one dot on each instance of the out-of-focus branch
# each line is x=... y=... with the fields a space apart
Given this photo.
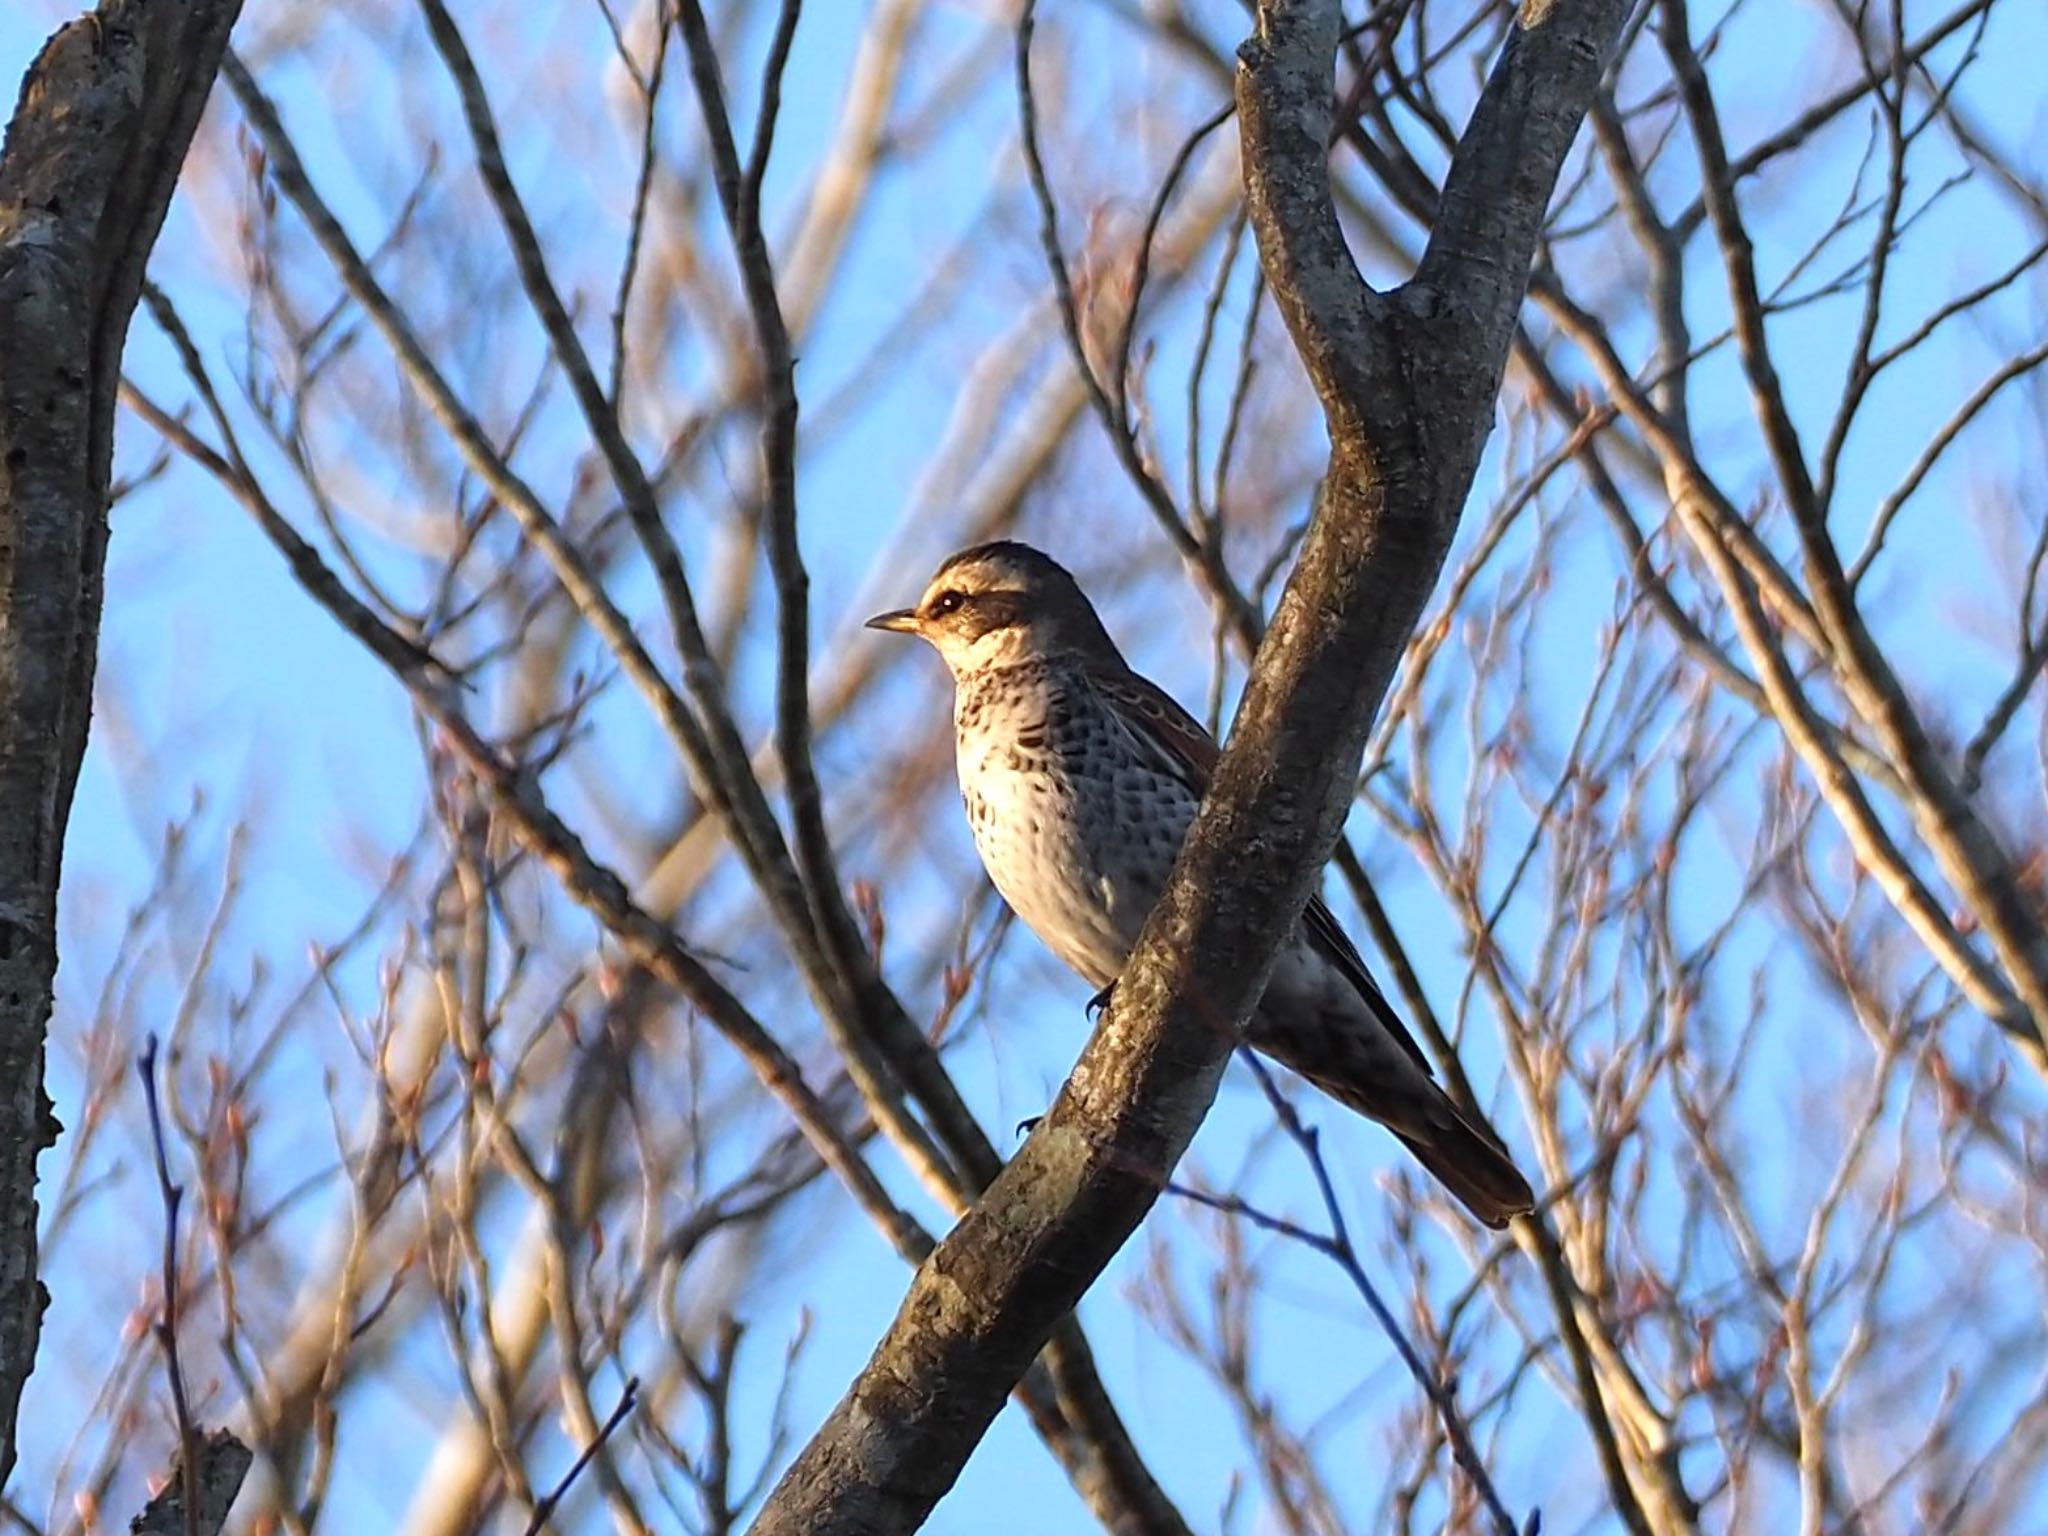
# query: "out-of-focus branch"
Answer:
x=1064 y=1397
x=1955 y=835
x=739 y=195
x=1335 y=1244
x=1801 y=129
x=1112 y=399
x=869 y=1022
x=106 y=113
x=590 y=882
x=1720 y=533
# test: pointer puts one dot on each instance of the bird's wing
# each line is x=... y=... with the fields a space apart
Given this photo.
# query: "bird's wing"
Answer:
x=1188 y=752
x=1173 y=736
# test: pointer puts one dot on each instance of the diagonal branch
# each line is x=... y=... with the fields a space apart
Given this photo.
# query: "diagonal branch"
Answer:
x=1402 y=462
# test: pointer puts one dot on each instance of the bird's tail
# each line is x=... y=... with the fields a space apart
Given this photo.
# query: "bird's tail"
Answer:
x=1472 y=1166
x=1462 y=1154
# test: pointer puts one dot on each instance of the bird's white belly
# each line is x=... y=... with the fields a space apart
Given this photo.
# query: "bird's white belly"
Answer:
x=1032 y=831
x=1076 y=823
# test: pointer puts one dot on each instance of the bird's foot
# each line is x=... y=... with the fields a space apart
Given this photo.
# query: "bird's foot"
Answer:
x=1026 y=1127
x=1100 y=1001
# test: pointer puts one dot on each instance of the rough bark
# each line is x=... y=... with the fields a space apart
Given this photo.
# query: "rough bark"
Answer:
x=105 y=116
x=223 y=1461
x=1408 y=381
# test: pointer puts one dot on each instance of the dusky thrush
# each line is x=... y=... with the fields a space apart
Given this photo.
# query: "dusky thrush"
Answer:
x=1081 y=780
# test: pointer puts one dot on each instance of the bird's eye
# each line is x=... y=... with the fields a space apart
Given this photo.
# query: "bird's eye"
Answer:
x=945 y=603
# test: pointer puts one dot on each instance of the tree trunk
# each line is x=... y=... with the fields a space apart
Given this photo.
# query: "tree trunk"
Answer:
x=105 y=117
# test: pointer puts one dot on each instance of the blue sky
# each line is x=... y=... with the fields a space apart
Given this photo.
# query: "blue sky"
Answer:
x=226 y=684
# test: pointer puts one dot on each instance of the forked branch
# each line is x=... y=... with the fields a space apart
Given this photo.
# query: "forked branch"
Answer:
x=1408 y=382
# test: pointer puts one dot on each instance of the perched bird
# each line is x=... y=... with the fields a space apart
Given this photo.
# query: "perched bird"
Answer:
x=1081 y=780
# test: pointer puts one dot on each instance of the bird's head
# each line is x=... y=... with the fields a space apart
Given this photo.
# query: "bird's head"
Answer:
x=999 y=604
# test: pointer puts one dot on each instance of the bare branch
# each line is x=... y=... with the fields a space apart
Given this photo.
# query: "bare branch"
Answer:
x=980 y=1306
x=545 y=1507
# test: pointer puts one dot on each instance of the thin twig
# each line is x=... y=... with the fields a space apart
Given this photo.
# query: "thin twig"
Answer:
x=166 y=1326
x=1114 y=409
x=548 y=1502
x=1336 y=1245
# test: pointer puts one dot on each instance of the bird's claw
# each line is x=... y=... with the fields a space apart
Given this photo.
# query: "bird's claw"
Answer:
x=1099 y=1002
x=1026 y=1127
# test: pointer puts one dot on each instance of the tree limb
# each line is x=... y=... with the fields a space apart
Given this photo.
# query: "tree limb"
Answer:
x=1407 y=382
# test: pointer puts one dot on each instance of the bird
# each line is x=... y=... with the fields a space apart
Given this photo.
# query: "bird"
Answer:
x=1081 y=779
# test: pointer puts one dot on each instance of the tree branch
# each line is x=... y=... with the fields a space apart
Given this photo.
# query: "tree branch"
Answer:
x=1407 y=382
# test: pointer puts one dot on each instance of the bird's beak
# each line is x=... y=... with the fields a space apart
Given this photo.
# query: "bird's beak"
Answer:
x=902 y=620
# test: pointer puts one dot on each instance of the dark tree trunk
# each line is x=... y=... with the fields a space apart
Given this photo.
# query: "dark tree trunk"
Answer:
x=106 y=114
